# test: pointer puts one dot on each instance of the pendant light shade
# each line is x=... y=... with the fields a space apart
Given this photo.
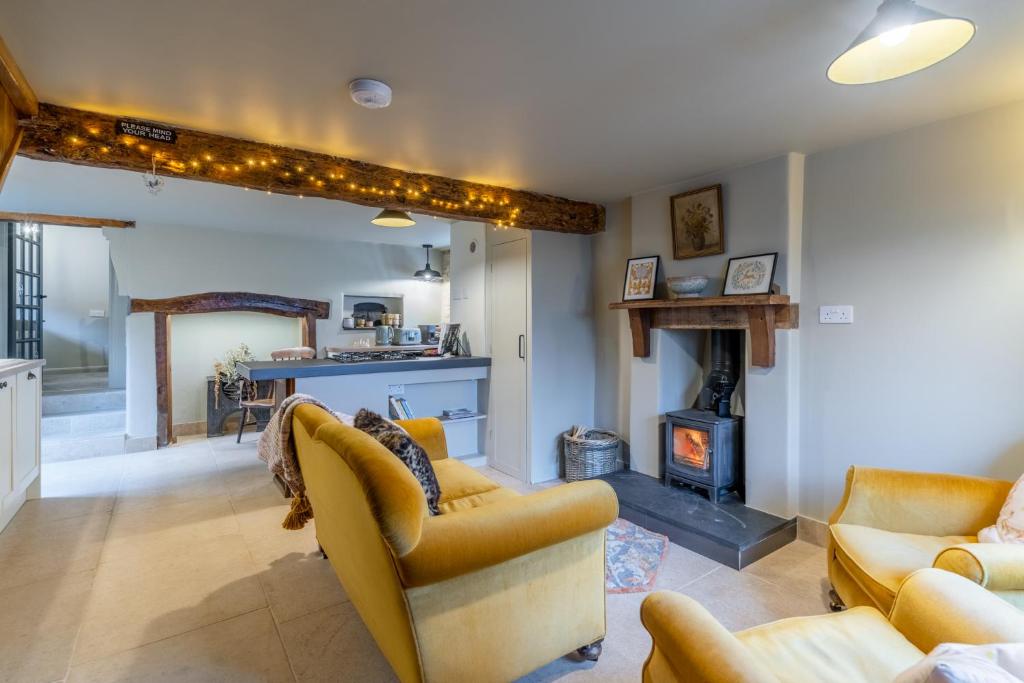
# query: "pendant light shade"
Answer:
x=427 y=273
x=390 y=218
x=902 y=38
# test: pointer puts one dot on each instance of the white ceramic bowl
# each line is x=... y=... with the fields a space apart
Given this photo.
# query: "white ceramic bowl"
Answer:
x=688 y=286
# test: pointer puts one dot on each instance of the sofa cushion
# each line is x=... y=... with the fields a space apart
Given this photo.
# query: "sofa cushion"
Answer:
x=398 y=441
x=879 y=560
x=462 y=487
x=856 y=645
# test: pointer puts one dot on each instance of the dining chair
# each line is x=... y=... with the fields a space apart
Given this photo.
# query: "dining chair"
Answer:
x=250 y=400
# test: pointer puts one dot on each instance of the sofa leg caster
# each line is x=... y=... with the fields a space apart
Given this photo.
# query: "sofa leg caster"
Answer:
x=590 y=652
x=835 y=603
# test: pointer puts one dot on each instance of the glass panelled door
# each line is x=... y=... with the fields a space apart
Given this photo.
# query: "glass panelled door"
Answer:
x=25 y=307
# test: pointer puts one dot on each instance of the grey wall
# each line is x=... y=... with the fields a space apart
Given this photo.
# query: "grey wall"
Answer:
x=923 y=232
x=563 y=346
x=76 y=279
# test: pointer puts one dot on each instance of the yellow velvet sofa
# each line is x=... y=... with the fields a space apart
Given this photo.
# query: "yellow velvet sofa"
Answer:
x=496 y=586
x=859 y=645
x=891 y=523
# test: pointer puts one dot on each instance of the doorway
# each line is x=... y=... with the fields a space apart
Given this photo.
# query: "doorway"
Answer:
x=509 y=352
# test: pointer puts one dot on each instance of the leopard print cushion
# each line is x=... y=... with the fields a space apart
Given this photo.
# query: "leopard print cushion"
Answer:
x=398 y=441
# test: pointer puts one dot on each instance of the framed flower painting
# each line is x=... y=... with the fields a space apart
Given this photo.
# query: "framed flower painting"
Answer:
x=697 y=228
x=641 y=277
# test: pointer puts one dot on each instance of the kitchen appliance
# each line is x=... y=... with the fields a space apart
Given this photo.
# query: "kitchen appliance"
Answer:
x=428 y=334
x=368 y=356
x=385 y=335
x=407 y=336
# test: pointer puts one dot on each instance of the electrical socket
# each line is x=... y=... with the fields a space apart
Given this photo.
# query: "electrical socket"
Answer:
x=396 y=390
x=835 y=315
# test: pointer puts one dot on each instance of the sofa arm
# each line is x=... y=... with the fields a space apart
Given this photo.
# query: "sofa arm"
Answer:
x=428 y=432
x=920 y=502
x=995 y=566
x=690 y=645
x=462 y=542
x=934 y=606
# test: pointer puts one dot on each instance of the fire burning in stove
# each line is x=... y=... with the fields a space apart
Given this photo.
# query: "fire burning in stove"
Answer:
x=690 y=447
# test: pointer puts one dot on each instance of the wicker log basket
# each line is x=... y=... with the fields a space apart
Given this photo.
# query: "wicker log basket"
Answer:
x=590 y=453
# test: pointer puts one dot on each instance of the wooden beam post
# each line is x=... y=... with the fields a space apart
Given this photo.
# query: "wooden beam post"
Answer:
x=162 y=337
x=762 y=336
x=93 y=139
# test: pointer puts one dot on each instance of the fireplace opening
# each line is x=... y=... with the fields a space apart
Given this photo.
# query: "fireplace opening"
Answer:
x=703 y=445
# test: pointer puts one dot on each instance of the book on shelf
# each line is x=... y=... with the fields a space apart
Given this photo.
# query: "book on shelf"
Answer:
x=399 y=408
x=458 y=414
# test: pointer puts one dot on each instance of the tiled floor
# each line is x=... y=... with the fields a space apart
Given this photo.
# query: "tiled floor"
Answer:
x=172 y=566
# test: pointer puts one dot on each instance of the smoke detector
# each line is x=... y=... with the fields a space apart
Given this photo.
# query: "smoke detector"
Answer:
x=369 y=93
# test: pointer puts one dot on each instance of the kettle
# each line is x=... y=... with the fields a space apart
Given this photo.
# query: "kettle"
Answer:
x=385 y=335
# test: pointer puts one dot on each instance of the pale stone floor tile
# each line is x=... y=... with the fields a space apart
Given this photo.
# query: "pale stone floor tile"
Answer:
x=334 y=645
x=165 y=564
x=245 y=648
x=129 y=608
x=295 y=577
x=39 y=625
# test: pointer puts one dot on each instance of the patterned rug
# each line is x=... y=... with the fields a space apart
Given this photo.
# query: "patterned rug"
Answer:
x=634 y=557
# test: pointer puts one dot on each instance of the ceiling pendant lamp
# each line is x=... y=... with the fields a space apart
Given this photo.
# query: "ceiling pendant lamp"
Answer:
x=902 y=38
x=427 y=273
x=390 y=218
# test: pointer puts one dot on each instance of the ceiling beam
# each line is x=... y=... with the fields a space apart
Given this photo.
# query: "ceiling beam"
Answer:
x=15 y=85
x=92 y=139
x=73 y=221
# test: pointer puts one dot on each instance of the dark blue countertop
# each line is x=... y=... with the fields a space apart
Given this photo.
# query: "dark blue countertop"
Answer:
x=324 y=367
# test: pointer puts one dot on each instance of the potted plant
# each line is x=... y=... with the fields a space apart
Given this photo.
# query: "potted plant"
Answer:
x=225 y=372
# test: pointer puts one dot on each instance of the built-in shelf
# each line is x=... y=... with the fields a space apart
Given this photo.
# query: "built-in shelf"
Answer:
x=759 y=314
x=448 y=420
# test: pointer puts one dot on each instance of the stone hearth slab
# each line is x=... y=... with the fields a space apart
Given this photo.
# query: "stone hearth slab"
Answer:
x=728 y=532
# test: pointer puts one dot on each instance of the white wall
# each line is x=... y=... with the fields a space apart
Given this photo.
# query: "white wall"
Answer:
x=923 y=232
x=562 y=345
x=761 y=208
x=468 y=277
x=76 y=279
x=155 y=261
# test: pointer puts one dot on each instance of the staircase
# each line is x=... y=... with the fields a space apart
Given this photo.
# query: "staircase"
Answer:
x=81 y=419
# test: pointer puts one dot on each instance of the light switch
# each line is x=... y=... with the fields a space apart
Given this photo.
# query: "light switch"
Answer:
x=835 y=315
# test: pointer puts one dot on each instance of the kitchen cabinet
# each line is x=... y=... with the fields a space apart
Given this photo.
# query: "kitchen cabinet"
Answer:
x=20 y=407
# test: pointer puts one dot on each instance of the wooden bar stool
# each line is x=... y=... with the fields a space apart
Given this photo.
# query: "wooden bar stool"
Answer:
x=249 y=401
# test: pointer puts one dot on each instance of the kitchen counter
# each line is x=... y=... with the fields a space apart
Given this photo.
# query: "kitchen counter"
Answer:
x=12 y=366
x=325 y=367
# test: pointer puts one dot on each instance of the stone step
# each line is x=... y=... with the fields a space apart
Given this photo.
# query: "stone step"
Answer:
x=63 y=403
x=83 y=424
x=57 y=449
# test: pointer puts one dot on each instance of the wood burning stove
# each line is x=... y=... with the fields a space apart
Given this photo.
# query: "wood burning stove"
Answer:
x=703 y=450
x=703 y=446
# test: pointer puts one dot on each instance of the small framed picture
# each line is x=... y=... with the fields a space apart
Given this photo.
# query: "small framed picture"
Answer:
x=641 y=276
x=750 y=274
x=697 y=228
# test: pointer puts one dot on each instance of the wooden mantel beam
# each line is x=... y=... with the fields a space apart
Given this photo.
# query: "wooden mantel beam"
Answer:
x=92 y=139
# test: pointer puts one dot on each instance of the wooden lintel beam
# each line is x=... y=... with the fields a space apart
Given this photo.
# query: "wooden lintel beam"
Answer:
x=220 y=302
x=13 y=82
x=90 y=139
x=73 y=221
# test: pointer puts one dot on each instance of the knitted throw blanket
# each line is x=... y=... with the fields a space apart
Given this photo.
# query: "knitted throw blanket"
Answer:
x=277 y=448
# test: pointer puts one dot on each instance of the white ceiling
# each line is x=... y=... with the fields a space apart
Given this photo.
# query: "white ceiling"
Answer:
x=592 y=99
x=45 y=187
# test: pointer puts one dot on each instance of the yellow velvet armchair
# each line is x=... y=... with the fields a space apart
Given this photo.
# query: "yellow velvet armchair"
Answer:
x=496 y=586
x=858 y=645
x=891 y=523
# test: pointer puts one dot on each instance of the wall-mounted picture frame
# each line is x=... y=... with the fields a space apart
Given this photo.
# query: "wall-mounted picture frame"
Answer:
x=750 y=274
x=697 y=225
x=641 y=278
